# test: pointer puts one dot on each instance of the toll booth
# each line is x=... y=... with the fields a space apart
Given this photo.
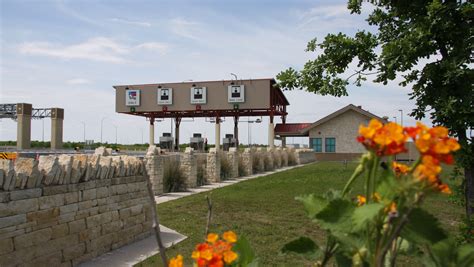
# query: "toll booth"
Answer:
x=229 y=141
x=197 y=142
x=166 y=141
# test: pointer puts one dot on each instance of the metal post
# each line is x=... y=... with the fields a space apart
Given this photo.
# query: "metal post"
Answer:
x=101 y=128
x=115 y=134
x=236 y=131
x=84 y=124
x=42 y=120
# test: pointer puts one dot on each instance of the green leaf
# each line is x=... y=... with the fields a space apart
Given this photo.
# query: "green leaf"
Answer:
x=465 y=256
x=423 y=228
x=336 y=216
x=387 y=186
x=302 y=245
x=245 y=251
x=342 y=260
x=312 y=204
x=348 y=242
x=364 y=215
x=332 y=194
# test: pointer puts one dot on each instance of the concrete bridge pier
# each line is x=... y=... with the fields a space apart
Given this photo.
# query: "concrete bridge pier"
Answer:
x=23 y=133
x=57 y=118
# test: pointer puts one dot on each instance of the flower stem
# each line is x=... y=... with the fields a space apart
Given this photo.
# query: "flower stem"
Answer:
x=357 y=172
x=373 y=175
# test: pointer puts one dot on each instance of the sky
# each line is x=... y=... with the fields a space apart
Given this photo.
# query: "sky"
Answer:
x=69 y=54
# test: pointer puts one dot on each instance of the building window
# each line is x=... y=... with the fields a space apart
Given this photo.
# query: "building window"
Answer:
x=317 y=144
x=330 y=144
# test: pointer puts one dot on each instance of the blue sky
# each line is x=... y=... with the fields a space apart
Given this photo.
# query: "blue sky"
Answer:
x=69 y=54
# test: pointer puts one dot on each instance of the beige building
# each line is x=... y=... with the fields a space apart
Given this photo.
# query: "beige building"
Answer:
x=334 y=136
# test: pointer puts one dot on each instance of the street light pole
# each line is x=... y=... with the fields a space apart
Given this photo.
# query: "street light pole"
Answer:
x=84 y=124
x=395 y=119
x=42 y=120
x=115 y=134
x=101 y=128
x=401 y=116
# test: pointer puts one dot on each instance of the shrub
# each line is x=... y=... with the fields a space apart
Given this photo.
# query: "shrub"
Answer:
x=241 y=167
x=255 y=163
x=173 y=177
x=201 y=175
x=291 y=159
x=226 y=167
x=266 y=163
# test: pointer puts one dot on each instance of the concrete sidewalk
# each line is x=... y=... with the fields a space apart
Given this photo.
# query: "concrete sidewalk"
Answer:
x=134 y=253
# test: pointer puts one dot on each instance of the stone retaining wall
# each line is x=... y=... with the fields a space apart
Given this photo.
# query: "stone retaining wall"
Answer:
x=60 y=211
x=304 y=156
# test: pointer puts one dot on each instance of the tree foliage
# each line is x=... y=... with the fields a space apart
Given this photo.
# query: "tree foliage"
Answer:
x=427 y=45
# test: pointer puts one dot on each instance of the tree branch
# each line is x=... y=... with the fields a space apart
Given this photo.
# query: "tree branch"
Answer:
x=156 y=222
x=209 y=213
x=359 y=72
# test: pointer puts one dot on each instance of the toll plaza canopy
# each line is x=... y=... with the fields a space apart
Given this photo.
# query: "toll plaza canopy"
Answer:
x=213 y=99
x=226 y=98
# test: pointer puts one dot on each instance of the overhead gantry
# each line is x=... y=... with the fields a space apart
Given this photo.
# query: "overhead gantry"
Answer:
x=22 y=113
x=211 y=99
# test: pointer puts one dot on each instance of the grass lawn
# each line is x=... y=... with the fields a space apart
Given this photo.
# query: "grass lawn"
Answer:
x=264 y=210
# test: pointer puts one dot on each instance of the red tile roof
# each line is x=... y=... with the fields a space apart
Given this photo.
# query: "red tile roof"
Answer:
x=291 y=128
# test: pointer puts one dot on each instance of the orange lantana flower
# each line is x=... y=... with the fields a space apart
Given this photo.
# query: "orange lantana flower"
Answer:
x=361 y=200
x=388 y=139
x=176 y=261
x=214 y=252
x=433 y=141
x=211 y=238
x=229 y=256
x=400 y=168
x=230 y=237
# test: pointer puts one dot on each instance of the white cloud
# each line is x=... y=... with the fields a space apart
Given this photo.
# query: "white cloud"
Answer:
x=132 y=22
x=78 y=81
x=96 y=49
x=183 y=27
x=161 y=48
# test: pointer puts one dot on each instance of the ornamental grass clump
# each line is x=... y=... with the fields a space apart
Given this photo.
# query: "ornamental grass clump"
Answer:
x=174 y=179
x=256 y=163
x=386 y=220
x=291 y=158
x=266 y=163
x=241 y=167
x=201 y=172
x=226 y=167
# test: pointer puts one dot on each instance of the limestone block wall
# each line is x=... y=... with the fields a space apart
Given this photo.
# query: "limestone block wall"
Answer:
x=213 y=170
x=188 y=162
x=304 y=156
x=247 y=159
x=233 y=157
x=60 y=211
x=155 y=170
